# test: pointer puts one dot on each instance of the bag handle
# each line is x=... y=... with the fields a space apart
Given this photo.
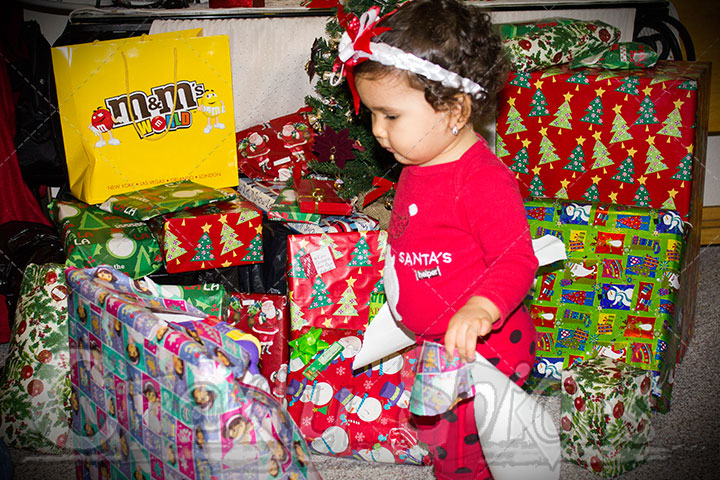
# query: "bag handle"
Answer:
x=174 y=96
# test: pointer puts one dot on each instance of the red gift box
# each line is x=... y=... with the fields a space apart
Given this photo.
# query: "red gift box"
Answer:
x=332 y=277
x=335 y=287
x=271 y=150
x=320 y=196
x=619 y=136
x=267 y=317
x=212 y=236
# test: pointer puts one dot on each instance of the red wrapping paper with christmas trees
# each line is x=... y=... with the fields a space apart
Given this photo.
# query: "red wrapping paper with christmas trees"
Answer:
x=267 y=317
x=212 y=236
x=616 y=136
x=335 y=288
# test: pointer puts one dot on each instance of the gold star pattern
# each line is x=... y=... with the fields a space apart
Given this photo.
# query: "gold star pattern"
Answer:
x=647 y=90
x=258 y=229
x=641 y=179
x=617 y=109
x=613 y=197
x=303 y=243
x=206 y=227
x=678 y=103
x=511 y=101
x=543 y=131
x=564 y=183
x=596 y=179
x=526 y=143
x=536 y=170
x=631 y=152
x=690 y=148
x=568 y=96
x=226 y=263
x=599 y=92
x=222 y=218
x=580 y=140
x=596 y=135
x=672 y=193
x=538 y=84
x=651 y=140
x=351 y=281
x=328 y=323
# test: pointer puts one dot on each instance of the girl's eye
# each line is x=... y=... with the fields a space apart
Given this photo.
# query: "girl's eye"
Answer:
x=391 y=117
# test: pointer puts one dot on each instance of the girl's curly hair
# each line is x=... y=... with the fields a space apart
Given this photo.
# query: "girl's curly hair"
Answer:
x=458 y=37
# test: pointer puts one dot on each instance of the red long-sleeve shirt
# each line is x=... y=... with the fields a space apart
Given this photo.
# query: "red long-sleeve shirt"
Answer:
x=458 y=229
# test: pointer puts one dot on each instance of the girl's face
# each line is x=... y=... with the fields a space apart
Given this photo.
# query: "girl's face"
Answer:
x=406 y=125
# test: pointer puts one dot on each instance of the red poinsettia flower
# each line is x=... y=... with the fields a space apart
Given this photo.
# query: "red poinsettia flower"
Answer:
x=332 y=146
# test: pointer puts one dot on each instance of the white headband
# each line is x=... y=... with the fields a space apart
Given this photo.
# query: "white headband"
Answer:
x=358 y=48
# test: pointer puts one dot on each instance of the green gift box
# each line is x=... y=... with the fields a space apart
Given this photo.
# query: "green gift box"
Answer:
x=162 y=199
x=605 y=416
x=287 y=209
x=93 y=237
x=615 y=293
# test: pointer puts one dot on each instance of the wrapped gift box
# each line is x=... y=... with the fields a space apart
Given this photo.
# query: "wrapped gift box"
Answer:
x=332 y=277
x=267 y=317
x=264 y=194
x=219 y=235
x=153 y=398
x=35 y=381
x=287 y=209
x=161 y=199
x=335 y=288
x=271 y=150
x=616 y=136
x=319 y=196
x=93 y=237
x=616 y=292
x=605 y=416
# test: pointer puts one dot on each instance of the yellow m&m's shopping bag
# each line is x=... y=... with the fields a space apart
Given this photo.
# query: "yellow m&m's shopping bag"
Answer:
x=145 y=111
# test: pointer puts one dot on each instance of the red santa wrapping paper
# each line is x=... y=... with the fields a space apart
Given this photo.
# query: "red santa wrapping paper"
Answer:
x=269 y=151
x=267 y=317
x=212 y=236
x=619 y=136
x=335 y=285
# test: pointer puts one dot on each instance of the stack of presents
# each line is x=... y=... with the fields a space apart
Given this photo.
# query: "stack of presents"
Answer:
x=213 y=295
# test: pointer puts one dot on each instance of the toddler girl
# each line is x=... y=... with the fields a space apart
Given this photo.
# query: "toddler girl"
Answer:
x=460 y=259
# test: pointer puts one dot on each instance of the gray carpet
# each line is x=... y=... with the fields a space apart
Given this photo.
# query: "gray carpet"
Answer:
x=684 y=442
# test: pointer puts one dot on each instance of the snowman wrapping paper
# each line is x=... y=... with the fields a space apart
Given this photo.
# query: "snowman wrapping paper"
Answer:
x=93 y=237
x=335 y=285
x=155 y=390
x=605 y=416
x=615 y=293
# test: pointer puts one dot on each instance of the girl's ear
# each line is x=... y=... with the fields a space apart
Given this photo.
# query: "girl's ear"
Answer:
x=462 y=109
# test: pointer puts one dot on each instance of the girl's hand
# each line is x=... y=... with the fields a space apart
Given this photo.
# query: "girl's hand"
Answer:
x=473 y=320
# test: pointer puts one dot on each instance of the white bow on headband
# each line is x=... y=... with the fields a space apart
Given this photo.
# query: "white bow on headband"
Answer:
x=355 y=47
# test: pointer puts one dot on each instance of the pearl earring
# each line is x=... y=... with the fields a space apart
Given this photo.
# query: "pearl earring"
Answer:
x=455 y=130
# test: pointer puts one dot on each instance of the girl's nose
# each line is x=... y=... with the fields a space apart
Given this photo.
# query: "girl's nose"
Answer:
x=378 y=129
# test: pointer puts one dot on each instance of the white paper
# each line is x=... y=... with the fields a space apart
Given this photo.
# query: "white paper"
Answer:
x=549 y=249
x=382 y=337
